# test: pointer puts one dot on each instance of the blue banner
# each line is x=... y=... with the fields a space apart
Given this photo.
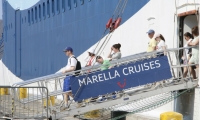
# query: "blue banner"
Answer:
x=119 y=78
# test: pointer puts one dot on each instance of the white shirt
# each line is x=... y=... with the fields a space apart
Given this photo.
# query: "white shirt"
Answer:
x=71 y=62
x=186 y=50
x=160 y=45
x=116 y=56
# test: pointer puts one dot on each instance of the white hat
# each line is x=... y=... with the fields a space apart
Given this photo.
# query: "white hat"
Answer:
x=91 y=51
x=157 y=35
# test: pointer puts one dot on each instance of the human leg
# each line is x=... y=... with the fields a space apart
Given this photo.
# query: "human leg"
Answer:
x=192 y=72
x=185 y=71
x=66 y=99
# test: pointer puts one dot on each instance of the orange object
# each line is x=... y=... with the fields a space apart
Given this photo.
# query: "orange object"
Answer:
x=117 y=23
x=108 y=23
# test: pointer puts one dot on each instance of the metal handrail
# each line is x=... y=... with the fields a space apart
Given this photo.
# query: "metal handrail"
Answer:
x=85 y=69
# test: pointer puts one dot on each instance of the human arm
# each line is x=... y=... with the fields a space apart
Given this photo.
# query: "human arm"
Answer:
x=194 y=43
x=72 y=68
x=153 y=44
x=164 y=49
x=116 y=56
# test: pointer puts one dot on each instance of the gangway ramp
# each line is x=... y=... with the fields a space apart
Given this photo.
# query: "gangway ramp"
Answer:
x=164 y=80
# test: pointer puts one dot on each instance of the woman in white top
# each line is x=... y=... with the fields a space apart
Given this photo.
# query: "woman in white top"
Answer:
x=116 y=52
x=161 y=46
x=186 y=55
x=195 y=51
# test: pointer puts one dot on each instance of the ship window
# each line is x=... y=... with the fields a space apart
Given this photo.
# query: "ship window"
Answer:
x=29 y=17
x=22 y=20
x=44 y=10
x=63 y=5
x=82 y=2
x=58 y=6
x=53 y=7
x=39 y=12
x=32 y=15
x=48 y=8
x=35 y=14
x=11 y=25
x=75 y=3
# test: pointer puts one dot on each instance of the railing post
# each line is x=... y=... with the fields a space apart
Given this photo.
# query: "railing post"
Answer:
x=170 y=63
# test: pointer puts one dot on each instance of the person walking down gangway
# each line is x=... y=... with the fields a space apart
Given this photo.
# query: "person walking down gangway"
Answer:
x=152 y=43
x=195 y=51
x=186 y=53
x=115 y=52
x=91 y=60
x=105 y=63
x=161 y=46
x=72 y=65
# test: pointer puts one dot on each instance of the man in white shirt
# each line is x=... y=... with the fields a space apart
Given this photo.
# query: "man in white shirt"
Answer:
x=71 y=66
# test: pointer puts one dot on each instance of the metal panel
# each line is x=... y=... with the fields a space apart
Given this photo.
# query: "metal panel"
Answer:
x=17 y=43
x=185 y=105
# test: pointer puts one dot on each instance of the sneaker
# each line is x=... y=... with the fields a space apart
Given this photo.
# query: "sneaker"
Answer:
x=83 y=105
x=65 y=108
x=114 y=97
x=100 y=100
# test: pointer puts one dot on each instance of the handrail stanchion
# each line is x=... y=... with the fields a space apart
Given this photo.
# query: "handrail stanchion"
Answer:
x=170 y=63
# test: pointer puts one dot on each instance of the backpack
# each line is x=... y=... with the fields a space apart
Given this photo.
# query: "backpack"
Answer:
x=78 y=65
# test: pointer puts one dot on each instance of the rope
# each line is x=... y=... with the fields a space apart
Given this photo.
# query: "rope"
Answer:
x=125 y=3
x=116 y=8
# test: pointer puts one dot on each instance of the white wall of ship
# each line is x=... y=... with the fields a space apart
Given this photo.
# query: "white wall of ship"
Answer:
x=157 y=15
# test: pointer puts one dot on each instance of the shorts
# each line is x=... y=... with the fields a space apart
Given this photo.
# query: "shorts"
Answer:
x=185 y=62
x=160 y=54
x=67 y=85
x=194 y=60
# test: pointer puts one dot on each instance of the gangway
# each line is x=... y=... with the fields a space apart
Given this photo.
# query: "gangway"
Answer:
x=128 y=94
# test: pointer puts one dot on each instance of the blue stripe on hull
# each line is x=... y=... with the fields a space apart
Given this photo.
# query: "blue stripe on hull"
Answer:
x=37 y=49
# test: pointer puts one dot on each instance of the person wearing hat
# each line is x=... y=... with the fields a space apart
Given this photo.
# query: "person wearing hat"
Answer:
x=91 y=60
x=71 y=66
x=152 y=42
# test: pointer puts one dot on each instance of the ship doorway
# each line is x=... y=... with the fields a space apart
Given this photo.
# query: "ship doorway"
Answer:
x=186 y=24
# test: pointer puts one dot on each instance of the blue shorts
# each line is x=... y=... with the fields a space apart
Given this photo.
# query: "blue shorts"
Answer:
x=66 y=84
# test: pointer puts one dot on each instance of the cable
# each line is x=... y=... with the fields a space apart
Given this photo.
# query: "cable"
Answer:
x=116 y=8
